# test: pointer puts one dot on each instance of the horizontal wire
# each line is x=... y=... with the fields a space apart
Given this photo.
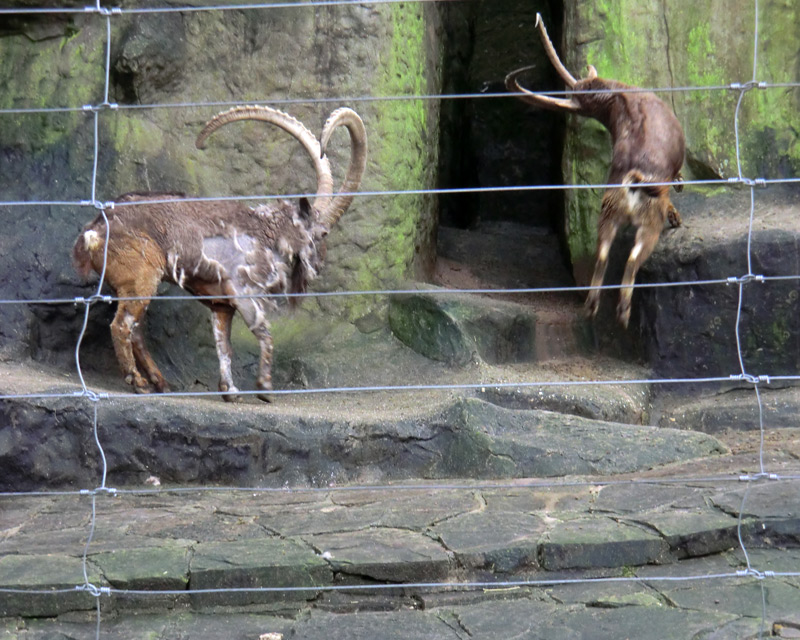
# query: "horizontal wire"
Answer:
x=449 y=586
x=544 y=483
x=106 y=11
x=733 y=378
x=396 y=292
x=733 y=86
x=731 y=182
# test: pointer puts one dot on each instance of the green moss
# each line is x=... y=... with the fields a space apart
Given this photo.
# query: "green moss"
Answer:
x=589 y=145
x=136 y=135
x=400 y=132
x=66 y=72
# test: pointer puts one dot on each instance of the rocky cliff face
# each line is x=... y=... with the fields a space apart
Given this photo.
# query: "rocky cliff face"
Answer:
x=308 y=61
x=304 y=60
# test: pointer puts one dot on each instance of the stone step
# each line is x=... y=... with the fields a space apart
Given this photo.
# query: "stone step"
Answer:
x=459 y=329
x=316 y=439
x=283 y=549
x=501 y=327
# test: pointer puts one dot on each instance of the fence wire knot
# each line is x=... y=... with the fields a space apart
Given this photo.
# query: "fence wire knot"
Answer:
x=749 y=377
x=92 y=299
x=93 y=396
x=94 y=589
x=749 y=277
x=747 y=86
x=752 y=477
x=93 y=492
x=755 y=573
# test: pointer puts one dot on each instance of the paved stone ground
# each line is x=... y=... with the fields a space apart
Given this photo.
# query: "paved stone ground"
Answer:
x=342 y=548
x=651 y=552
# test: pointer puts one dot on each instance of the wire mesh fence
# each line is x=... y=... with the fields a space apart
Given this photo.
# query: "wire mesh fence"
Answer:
x=94 y=397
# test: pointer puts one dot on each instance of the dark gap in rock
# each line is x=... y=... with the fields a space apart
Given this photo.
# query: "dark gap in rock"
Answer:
x=508 y=239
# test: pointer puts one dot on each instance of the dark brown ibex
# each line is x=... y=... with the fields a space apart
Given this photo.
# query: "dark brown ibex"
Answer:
x=220 y=249
x=648 y=147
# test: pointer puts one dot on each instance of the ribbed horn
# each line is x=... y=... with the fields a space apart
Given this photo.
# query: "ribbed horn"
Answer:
x=289 y=124
x=358 y=161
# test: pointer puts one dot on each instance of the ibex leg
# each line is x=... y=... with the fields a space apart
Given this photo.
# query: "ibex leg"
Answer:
x=606 y=231
x=144 y=360
x=646 y=239
x=221 y=320
x=264 y=381
x=254 y=315
x=129 y=315
x=134 y=272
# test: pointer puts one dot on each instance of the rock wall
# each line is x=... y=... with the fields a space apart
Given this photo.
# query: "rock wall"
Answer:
x=302 y=54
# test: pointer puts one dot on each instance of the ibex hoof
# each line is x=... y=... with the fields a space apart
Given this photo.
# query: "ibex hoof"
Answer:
x=624 y=315
x=229 y=393
x=674 y=218
x=138 y=383
x=591 y=306
x=265 y=386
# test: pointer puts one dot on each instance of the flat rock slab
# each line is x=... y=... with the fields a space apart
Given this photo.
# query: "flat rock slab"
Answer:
x=513 y=616
x=58 y=574
x=315 y=442
x=387 y=555
x=736 y=409
x=600 y=542
x=268 y=569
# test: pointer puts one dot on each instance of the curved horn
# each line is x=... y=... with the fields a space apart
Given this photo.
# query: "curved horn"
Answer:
x=289 y=124
x=545 y=102
x=550 y=50
x=358 y=161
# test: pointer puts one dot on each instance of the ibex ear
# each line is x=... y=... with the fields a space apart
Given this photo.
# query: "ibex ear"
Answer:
x=305 y=208
x=592 y=72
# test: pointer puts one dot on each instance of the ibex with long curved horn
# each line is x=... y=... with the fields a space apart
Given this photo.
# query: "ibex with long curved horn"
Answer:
x=648 y=147
x=222 y=251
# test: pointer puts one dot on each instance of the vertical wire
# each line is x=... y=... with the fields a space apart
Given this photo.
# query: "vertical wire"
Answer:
x=100 y=448
x=92 y=396
x=97 y=625
x=742 y=545
x=749 y=479
x=89 y=539
x=108 y=58
x=737 y=330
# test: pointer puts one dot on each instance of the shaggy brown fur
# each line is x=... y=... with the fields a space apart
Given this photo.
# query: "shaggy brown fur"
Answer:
x=221 y=251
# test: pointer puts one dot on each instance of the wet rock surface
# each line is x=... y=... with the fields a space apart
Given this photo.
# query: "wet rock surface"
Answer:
x=360 y=494
x=512 y=549
x=342 y=437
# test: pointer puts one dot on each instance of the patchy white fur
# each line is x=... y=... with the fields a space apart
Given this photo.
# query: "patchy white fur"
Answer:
x=633 y=197
x=91 y=240
x=637 y=249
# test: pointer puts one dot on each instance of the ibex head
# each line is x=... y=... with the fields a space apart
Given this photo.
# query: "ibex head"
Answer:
x=586 y=100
